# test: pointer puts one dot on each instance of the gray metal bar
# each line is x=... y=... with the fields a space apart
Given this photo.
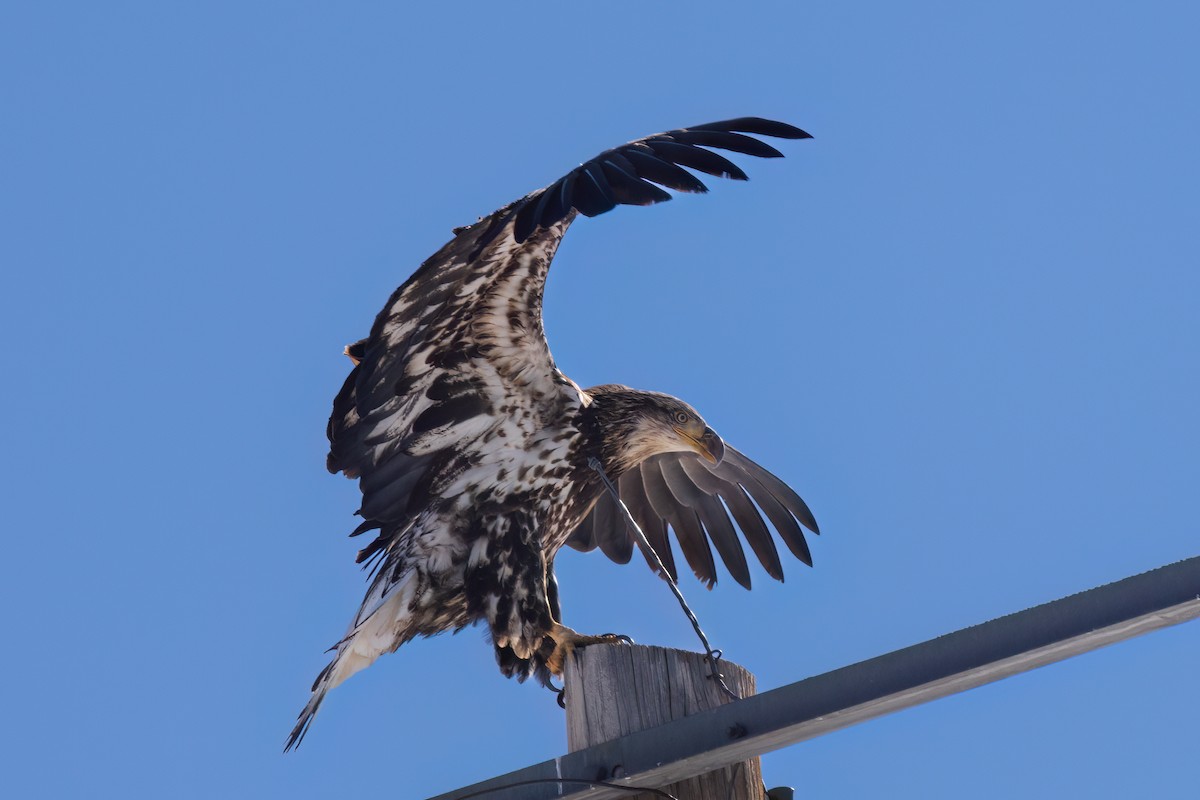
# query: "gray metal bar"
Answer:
x=952 y=663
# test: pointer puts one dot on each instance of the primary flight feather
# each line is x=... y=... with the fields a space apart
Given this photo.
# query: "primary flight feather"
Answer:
x=471 y=448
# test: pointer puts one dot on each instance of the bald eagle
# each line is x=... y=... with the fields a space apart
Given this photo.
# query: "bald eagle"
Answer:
x=472 y=449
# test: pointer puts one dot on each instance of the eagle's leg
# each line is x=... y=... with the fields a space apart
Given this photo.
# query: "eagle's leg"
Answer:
x=561 y=640
x=552 y=592
x=525 y=618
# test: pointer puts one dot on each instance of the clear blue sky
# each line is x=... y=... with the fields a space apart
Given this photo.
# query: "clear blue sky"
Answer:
x=962 y=322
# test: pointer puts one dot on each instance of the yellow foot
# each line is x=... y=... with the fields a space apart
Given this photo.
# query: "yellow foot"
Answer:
x=566 y=640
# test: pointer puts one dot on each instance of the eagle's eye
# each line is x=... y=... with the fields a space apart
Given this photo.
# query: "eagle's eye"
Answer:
x=681 y=417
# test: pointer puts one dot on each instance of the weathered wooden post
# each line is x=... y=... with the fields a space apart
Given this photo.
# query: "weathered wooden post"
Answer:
x=613 y=690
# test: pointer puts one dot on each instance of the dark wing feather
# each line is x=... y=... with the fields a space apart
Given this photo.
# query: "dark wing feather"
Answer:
x=734 y=142
x=696 y=158
x=712 y=515
x=703 y=503
x=682 y=519
x=652 y=168
x=758 y=125
x=633 y=491
x=618 y=549
x=619 y=176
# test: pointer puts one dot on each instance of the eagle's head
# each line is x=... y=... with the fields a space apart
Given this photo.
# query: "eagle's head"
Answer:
x=633 y=425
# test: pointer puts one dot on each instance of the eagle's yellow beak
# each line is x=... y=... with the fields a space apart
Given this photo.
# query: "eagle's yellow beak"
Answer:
x=708 y=444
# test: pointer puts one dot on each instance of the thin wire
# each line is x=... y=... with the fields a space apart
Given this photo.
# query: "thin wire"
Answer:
x=532 y=781
x=713 y=656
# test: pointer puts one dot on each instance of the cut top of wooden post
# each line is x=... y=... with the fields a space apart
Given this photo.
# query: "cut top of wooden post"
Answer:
x=613 y=690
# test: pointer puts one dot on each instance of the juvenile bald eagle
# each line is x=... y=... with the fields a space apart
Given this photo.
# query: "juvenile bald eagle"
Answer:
x=471 y=448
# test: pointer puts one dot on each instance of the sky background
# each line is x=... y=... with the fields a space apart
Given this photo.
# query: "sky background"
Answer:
x=961 y=322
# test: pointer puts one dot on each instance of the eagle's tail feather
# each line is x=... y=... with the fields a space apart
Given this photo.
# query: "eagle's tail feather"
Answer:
x=320 y=687
x=383 y=630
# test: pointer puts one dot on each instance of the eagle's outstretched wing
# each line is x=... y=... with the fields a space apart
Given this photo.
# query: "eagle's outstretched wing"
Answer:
x=694 y=498
x=461 y=343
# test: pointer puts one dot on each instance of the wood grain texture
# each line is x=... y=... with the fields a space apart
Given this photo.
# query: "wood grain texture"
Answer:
x=614 y=690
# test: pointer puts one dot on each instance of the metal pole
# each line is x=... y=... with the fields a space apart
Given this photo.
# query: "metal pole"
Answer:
x=952 y=663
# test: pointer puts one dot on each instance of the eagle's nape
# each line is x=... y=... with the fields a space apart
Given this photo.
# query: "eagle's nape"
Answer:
x=471 y=447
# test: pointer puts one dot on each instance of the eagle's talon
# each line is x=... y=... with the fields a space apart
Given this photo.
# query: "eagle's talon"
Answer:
x=603 y=638
x=559 y=691
x=618 y=638
x=567 y=640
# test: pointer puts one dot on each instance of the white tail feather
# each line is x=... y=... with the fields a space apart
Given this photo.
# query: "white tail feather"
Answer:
x=382 y=631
